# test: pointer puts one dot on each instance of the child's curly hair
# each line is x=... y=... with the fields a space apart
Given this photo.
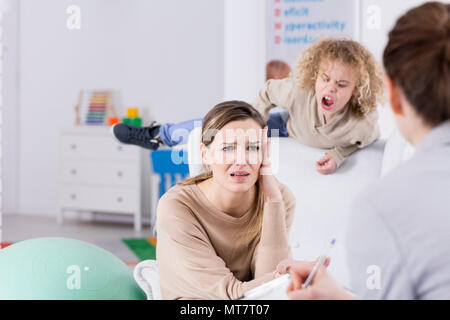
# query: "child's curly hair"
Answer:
x=370 y=85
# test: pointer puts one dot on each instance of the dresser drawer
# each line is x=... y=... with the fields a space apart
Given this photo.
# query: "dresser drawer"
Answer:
x=99 y=172
x=96 y=146
x=120 y=200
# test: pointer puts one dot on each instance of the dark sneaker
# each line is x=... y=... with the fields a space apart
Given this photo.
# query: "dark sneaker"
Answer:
x=144 y=137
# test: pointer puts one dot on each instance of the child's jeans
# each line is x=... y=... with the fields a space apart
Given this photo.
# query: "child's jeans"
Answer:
x=172 y=134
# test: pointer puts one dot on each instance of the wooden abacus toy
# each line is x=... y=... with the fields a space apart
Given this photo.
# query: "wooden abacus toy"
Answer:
x=94 y=107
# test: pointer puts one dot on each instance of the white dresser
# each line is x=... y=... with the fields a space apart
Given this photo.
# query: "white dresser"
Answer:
x=98 y=174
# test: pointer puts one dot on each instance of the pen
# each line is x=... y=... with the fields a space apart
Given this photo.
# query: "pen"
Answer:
x=318 y=265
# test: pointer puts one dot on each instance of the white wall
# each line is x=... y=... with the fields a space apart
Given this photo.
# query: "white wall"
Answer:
x=164 y=56
x=373 y=37
x=244 y=49
x=1 y=112
x=10 y=124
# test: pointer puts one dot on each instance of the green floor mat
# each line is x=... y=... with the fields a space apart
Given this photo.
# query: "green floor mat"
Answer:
x=143 y=249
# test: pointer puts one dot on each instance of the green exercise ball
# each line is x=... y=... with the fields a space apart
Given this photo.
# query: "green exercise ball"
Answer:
x=64 y=269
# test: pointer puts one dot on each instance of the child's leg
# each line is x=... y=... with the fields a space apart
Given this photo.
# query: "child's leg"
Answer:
x=172 y=134
x=151 y=136
x=277 y=122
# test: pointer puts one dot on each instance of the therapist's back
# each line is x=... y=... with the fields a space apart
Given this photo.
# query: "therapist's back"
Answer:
x=399 y=232
x=399 y=235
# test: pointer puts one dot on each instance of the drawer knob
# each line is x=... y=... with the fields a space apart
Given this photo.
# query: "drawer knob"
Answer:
x=119 y=173
x=119 y=199
x=119 y=148
x=73 y=146
x=73 y=171
x=73 y=196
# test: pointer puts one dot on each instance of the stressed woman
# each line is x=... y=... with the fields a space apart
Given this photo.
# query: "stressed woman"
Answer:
x=224 y=232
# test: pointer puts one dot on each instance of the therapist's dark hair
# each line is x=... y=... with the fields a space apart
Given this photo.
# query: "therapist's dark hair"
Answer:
x=417 y=59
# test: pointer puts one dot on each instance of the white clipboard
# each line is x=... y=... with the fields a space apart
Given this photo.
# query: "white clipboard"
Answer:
x=272 y=290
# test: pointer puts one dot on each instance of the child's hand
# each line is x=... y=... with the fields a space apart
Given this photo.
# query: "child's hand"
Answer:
x=326 y=164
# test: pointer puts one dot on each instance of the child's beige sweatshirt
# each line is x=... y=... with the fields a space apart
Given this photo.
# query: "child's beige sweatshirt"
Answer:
x=200 y=253
x=344 y=134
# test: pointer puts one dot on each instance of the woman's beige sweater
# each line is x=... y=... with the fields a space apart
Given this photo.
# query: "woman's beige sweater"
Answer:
x=200 y=251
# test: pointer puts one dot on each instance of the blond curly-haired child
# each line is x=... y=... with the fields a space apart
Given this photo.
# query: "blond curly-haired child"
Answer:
x=331 y=100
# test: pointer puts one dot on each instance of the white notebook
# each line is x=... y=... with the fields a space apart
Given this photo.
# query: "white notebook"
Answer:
x=272 y=290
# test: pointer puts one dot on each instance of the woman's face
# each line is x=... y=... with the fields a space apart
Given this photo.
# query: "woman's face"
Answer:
x=335 y=85
x=235 y=155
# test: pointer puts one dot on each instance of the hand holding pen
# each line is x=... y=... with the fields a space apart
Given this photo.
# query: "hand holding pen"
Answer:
x=311 y=281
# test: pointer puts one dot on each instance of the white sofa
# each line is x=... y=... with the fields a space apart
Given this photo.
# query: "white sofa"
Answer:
x=323 y=202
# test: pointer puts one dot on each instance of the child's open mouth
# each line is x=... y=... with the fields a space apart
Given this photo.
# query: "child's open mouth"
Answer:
x=327 y=102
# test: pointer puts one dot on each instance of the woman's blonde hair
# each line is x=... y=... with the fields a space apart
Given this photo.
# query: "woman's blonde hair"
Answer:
x=216 y=119
x=369 y=87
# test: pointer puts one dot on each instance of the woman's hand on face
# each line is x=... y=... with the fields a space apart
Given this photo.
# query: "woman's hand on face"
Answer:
x=270 y=184
x=326 y=164
x=322 y=287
